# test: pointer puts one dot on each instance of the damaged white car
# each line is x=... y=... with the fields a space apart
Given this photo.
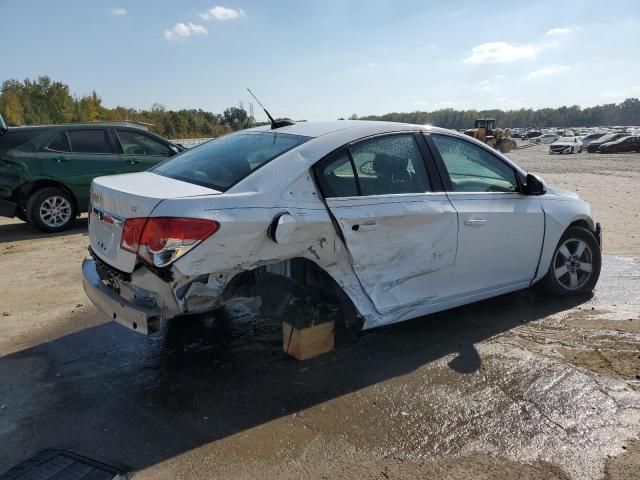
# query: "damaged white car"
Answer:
x=389 y=221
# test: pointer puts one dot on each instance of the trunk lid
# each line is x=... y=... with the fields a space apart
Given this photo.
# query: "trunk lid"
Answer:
x=118 y=197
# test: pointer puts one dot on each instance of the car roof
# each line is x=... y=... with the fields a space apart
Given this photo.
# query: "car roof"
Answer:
x=318 y=129
x=76 y=126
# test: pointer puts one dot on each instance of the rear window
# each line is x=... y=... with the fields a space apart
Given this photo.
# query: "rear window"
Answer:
x=223 y=162
x=15 y=138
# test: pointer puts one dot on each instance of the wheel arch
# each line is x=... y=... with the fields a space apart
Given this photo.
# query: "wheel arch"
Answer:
x=300 y=275
x=29 y=188
x=555 y=226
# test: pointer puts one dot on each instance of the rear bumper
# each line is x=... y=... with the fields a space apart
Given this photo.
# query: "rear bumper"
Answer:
x=140 y=319
x=7 y=208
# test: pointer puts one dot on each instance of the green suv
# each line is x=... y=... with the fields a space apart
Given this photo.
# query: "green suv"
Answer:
x=46 y=171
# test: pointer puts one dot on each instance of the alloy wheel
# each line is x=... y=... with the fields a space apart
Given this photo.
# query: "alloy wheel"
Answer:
x=55 y=211
x=573 y=264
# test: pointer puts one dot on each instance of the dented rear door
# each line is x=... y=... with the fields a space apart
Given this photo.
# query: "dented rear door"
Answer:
x=401 y=236
x=403 y=248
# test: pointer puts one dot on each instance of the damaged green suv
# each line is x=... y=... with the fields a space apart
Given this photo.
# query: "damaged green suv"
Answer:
x=46 y=171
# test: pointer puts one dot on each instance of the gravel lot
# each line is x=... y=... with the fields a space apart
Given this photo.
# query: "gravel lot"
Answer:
x=521 y=386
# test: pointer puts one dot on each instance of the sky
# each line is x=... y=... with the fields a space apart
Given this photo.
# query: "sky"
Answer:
x=320 y=60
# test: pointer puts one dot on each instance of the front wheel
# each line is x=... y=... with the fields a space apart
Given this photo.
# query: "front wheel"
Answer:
x=575 y=265
x=51 y=210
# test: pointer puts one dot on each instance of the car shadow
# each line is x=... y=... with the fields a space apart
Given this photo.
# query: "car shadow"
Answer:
x=15 y=232
x=142 y=400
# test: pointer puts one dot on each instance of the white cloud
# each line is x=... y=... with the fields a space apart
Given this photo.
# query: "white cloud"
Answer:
x=118 y=11
x=222 y=13
x=420 y=103
x=184 y=30
x=637 y=87
x=560 y=30
x=491 y=52
x=371 y=64
x=548 y=71
x=498 y=76
x=508 y=103
x=485 y=85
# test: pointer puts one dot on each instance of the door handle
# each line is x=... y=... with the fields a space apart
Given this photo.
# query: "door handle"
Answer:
x=133 y=162
x=62 y=159
x=365 y=226
x=475 y=222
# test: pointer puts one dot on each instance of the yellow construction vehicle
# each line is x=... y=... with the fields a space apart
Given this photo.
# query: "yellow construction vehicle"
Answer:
x=485 y=130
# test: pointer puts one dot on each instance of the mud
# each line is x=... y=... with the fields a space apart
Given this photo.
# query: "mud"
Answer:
x=521 y=386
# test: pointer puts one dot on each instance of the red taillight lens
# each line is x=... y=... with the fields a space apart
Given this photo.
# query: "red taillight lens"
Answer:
x=131 y=233
x=161 y=240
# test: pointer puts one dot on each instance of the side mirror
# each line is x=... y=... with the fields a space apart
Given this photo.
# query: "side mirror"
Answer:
x=3 y=126
x=535 y=185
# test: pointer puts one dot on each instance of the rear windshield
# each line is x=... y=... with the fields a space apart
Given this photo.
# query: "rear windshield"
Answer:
x=223 y=162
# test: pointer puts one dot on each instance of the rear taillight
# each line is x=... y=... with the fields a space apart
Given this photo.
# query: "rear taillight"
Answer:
x=160 y=241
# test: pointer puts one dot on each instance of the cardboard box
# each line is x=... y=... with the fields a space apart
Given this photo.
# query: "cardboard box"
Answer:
x=306 y=342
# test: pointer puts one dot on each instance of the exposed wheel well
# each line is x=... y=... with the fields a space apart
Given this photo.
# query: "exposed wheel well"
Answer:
x=28 y=189
x=295 y=278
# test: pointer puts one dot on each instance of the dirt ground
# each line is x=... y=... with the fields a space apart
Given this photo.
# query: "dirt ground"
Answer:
x=520 y=386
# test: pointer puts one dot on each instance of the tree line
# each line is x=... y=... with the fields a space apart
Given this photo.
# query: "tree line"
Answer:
x=624 y=113
x=43 y=101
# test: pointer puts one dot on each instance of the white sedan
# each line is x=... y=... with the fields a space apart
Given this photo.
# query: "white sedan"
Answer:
x=546 y=138
x=566 y=145
x=390 y=221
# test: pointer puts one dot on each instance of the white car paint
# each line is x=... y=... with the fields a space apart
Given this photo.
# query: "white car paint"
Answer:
x=546 y=138
x=413 y=254
x=566 y=145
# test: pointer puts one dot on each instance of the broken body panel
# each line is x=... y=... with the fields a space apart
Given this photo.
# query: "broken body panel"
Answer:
x=422 y=254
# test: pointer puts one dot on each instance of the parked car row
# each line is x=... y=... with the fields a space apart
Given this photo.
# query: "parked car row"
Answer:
x=615 y=143
x=46 y=171
x=595 y=143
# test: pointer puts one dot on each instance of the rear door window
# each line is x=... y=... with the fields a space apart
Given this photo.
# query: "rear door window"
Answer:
x=390 y=165
x=223 y=162
x=15 y=138
x=337 y=177
x=138 y=143
x=59 y=143
x=90 y=141
x=385 y=165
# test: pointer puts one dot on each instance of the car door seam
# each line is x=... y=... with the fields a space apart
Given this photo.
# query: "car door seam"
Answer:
x=544 y=235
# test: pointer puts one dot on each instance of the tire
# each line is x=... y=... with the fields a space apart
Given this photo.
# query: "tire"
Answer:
x=51 y=210
x=21 y=214
x=568 y=274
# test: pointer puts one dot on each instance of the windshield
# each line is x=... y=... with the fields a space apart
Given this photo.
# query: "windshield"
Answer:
x=607 y=137
x=223 y=162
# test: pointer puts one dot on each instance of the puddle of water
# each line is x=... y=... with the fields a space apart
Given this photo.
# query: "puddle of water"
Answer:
x=618 y=290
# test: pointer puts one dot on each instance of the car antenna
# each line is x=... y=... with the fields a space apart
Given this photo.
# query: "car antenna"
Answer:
x=274 y=123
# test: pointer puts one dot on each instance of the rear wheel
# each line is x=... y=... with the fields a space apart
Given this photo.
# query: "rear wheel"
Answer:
x=575 y=265
x=51 y=210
